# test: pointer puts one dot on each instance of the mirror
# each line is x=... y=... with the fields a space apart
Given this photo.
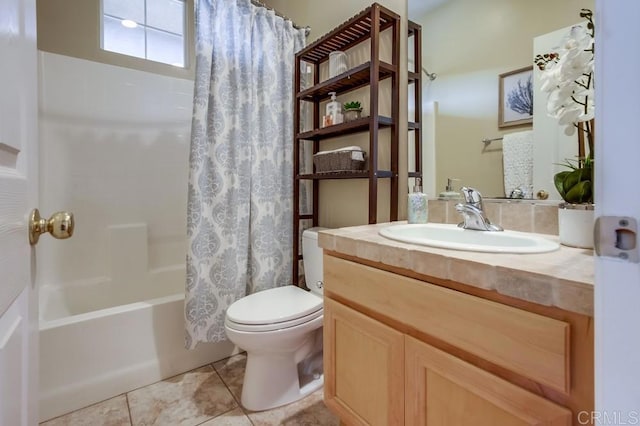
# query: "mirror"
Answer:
x=468 y=44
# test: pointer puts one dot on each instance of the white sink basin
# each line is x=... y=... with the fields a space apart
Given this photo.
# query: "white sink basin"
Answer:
x=452 y=237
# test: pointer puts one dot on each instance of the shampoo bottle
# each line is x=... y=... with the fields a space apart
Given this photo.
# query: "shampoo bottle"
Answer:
x=417 y=206
x=334 y=110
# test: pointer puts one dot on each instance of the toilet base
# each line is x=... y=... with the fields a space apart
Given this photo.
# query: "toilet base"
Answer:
x=276 y=379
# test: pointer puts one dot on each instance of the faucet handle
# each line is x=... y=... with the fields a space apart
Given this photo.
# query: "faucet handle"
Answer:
x=472 y=196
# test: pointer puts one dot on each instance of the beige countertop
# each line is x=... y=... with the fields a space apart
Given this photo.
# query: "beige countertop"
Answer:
x=563 y=278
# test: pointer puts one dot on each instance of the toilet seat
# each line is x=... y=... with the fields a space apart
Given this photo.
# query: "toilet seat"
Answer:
x=257 y=328
x=274 y=309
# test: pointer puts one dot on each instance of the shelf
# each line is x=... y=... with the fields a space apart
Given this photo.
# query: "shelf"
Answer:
x=352 y=79
x=364 y=174
x=343 y=129
x=412 y=27
x=350 y=33
x=375 y=25
x=414 y=76
x=415 y=31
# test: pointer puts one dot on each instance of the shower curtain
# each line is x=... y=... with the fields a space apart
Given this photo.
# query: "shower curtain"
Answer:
x=239 y=213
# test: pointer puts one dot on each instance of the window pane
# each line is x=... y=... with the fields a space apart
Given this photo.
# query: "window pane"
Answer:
x=125 y=9
x=165 y=47
x=117 y=38
x=166 y=15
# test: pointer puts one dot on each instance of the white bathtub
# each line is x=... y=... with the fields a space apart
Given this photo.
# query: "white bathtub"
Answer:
x=97 y=341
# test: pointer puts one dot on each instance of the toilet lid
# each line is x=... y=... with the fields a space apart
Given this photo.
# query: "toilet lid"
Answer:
x=275 y=305
x=278 y=326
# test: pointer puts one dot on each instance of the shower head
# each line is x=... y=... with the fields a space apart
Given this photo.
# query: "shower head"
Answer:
x=431 y=75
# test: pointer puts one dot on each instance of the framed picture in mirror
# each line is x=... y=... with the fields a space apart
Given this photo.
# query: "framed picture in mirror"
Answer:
x=515 y=101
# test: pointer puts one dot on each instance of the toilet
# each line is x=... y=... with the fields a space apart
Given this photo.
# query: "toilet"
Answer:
x=281 y=331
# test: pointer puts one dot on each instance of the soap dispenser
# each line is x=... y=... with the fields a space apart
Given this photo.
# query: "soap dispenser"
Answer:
x=334 y=111
x=417 y=210
x=449 y=193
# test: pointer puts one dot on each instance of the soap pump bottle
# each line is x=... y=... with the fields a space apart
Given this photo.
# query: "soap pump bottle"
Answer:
x=417 y=211
x=449 y=193
x=334 y=110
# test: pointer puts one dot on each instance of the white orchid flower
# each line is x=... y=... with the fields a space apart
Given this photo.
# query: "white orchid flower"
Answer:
x=569 y=114
x=568 y=80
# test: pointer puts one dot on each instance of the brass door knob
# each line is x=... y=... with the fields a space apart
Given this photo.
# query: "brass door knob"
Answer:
x=59 y=225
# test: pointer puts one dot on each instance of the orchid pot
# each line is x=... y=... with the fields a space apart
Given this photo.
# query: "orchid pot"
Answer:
x=575 y=225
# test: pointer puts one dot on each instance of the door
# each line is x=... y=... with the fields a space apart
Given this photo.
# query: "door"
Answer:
x=364 y=379
x=18 y=193
x=617 y=289
x=443 y=390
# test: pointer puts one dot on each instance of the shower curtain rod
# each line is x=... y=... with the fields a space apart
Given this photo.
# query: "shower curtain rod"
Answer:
x=307 y=29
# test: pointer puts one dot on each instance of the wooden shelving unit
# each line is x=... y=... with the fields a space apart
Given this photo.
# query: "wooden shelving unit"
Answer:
x=415 y=78
x=367 y=25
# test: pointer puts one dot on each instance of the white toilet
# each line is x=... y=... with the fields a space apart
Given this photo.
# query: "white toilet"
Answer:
x=281 y=330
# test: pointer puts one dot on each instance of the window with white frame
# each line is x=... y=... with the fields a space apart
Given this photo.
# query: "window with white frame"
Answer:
x=149 y=29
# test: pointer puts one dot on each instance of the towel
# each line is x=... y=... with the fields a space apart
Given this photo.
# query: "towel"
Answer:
x=356 y=152
x=517 y=158
x=344 y=148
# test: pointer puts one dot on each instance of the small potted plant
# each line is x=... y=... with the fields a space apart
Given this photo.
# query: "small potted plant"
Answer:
x=352 y=110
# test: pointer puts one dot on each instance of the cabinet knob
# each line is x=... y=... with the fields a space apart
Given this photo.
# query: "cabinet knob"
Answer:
x=542 y=194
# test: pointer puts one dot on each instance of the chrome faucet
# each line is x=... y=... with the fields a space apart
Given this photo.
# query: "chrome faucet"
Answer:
x=473 y=213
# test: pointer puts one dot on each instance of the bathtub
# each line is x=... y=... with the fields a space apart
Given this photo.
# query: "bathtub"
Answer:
x=99 y=339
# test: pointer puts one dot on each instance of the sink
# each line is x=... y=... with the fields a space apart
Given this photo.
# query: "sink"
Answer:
x=452 y=237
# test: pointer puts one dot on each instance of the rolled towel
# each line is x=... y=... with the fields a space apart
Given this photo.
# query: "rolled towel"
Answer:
x=345 y=148
x=356 y=152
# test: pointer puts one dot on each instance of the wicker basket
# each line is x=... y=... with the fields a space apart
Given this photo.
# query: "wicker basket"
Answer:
x=340 y=161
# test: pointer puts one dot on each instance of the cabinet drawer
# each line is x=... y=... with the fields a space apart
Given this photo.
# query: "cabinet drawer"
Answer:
x=528 y=344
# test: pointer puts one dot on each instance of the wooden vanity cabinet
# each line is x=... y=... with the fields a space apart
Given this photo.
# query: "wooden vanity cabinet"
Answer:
x=402 y=351
x=444 y=390
x=366 y=382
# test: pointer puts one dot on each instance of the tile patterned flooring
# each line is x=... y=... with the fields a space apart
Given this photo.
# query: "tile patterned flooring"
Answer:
x=206 y=396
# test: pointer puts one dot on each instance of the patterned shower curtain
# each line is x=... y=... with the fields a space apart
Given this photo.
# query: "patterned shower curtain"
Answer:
x=239 y=213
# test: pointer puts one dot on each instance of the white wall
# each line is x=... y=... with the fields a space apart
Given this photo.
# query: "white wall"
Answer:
x=114 y=151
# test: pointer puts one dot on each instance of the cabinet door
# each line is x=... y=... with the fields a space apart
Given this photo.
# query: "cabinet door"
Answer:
x=363 y=363
x=442 y=390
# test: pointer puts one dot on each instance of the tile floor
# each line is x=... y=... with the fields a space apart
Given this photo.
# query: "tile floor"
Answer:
x=206 y=396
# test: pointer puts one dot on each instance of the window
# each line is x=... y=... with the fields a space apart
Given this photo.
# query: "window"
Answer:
x=149 y=29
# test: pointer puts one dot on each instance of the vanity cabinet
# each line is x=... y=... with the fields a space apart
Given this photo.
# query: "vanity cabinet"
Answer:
x=399 y=350
x=366 y=357
x=444 y=390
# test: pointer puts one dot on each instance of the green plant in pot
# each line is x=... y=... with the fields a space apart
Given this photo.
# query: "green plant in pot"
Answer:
x=567 y=77
x=575 y=185
x=352 y=110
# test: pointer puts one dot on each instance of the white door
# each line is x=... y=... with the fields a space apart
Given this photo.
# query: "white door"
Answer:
x=617 y=291
x=18 y=194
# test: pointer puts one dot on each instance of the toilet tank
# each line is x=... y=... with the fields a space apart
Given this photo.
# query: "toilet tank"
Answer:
x=312 y=255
